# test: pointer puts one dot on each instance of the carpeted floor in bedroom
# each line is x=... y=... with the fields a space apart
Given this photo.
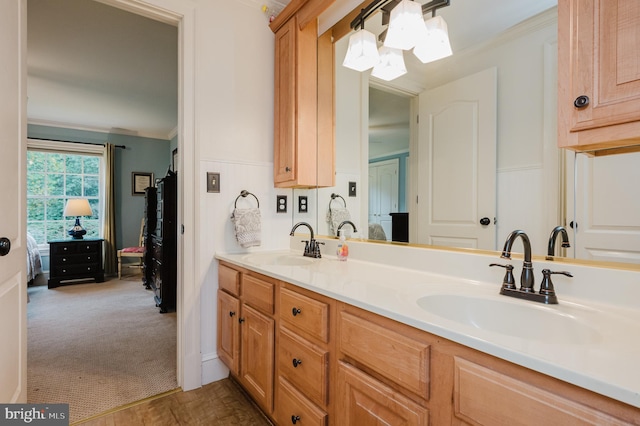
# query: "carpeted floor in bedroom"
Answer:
x=98 y=346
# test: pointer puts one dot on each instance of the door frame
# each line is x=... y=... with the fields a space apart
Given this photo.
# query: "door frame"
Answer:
x=179 y=13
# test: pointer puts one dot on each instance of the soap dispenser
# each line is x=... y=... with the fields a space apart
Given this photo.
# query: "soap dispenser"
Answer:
x=343 y=248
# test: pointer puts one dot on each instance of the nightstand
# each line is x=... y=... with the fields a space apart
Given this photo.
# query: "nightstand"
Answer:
x=75 y=260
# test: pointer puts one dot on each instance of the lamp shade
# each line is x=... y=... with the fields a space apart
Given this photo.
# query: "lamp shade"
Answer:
x=77 y=207
x=362 y=53
x=406 y=25
x=435 y=45
x=391 y=64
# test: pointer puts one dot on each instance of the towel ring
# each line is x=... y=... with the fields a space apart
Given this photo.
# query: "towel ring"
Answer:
x=333 y=197
x=243 y=194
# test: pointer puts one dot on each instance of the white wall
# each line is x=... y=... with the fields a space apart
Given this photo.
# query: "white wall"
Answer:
x=234 y=136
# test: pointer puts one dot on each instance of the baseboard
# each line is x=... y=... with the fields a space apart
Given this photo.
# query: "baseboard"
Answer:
x=213 y=369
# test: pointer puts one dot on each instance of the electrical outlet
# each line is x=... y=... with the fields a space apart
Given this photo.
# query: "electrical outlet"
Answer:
x=281 y=203
x=213 y=182
x=352 y=189
x=303 y=206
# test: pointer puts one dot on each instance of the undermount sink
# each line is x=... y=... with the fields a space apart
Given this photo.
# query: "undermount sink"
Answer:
x=527 y=320
x=281 y=259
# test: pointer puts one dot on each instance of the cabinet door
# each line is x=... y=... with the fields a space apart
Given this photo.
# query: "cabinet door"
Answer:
x=599 y=41
x=257 y=353
x=363 y=400
x=285 y=102
x=228 y=340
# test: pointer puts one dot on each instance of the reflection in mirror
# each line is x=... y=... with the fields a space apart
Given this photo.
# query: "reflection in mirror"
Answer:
x=527 y=177
x=533 y=190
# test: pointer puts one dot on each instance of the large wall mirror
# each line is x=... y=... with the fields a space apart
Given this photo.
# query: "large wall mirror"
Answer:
x=504 y=62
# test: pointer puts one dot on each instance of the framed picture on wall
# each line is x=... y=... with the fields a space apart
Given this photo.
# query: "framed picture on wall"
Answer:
x=174 y=164
x=140 y=181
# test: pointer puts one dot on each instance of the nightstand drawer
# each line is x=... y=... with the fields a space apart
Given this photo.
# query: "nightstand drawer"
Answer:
x=77 y=259
x=72 y=270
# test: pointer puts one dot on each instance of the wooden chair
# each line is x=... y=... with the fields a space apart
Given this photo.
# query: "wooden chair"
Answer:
x=136 y=252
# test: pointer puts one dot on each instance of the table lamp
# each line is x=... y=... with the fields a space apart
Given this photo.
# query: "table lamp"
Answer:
x=77 y=207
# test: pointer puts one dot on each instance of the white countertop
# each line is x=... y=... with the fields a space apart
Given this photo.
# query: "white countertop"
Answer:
x=599 y=350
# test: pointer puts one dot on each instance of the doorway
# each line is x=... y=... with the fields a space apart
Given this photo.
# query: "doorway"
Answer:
x=174 y=20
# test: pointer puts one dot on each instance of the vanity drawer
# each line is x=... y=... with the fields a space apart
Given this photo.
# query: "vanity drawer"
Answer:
x=258 y=293
x=294 y=408
x=387 y=351
x=305 y=365
x=229 y=280
x=305 y=314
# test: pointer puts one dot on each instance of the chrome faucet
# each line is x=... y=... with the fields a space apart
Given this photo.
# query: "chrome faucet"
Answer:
x=526 y=278
x=552 y=241
x=311 y=247
x=346 y=222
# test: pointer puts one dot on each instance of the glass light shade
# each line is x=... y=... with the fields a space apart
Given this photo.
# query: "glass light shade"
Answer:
x=362 y=53
x=406 y=25
x=391 y=64
x=77 y=207
x=436 y=44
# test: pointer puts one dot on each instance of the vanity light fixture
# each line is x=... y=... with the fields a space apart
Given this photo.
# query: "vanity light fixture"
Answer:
x=435 y=45
x=406 y=30
x=362 y=53
x=406 y=25
x=391 y=64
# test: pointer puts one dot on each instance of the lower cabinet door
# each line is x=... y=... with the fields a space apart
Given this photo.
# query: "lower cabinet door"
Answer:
x=293 y=408
x=229 y=331
x=362 y=400
x=257 y=356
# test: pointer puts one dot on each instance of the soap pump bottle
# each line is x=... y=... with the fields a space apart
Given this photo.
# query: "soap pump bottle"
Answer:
x=343 y=248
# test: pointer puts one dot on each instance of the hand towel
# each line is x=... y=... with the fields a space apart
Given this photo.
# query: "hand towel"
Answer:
x=247 y=226
x=335 y=216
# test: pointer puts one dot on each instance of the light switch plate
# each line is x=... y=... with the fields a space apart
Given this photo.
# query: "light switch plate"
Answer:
x=352 y=189
x=303 y=206
x=281 y=203
x=213 y=182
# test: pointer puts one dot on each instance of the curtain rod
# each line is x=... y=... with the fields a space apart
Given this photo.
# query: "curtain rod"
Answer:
x=84 y=143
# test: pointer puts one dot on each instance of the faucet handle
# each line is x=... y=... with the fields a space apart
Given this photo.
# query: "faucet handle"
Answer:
x=508 y=281
x=546 y=286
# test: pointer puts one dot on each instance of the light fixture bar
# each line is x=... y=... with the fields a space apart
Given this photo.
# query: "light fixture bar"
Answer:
x=388 y=5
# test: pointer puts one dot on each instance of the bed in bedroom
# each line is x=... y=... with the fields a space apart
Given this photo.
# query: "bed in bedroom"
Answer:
x=34 y=261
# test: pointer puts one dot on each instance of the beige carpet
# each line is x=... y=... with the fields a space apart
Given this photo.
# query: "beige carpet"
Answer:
x=98 y=346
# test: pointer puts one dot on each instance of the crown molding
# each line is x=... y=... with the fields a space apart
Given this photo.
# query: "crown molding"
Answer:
x=112 y=130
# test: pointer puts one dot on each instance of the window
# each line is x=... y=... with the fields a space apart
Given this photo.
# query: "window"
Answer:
x=52 y=178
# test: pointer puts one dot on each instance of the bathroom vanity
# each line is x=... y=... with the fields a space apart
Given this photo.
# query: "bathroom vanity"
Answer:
x=344 y=342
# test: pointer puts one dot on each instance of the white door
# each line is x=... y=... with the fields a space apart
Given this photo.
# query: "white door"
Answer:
x=608 y=208
x=13 y=282
x=383 y=193
x=457 y=163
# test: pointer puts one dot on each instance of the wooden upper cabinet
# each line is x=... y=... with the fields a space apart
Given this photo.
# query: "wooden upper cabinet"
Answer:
x=598 y=74
x=303 y=130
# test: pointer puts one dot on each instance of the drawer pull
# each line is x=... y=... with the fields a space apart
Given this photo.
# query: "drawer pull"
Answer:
x=296 y=362
x=295 y=311
x=295 y=419
x=240 y=320
x=231 y=313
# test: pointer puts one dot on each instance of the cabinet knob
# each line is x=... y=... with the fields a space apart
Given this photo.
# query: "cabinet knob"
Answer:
x=240 y=320
x=296 y=362
x=287 y=169
x=231 y=313
x=295 y=311
x=581 y=101
x=295 y=419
